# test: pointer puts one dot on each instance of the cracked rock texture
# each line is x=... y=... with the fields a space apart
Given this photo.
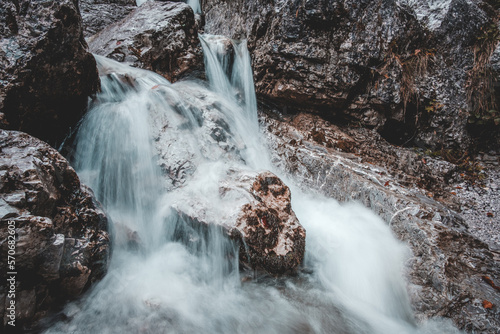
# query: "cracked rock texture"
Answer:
x=157 y=36
x=47 y=73
x=403 y=67
x=62 y=243
x=98 y=14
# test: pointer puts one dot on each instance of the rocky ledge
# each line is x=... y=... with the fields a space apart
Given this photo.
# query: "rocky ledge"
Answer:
x=157 y=36
x=61 y=238
x=416 y=71
x=454 y=270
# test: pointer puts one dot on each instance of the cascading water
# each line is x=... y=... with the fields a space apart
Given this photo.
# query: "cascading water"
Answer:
x=194 y=4
x=185 y=278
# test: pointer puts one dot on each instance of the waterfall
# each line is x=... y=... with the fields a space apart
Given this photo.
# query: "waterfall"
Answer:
x=183 y=277
x=195 y=5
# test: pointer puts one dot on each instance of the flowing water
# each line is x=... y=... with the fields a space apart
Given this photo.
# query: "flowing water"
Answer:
x=185 y=278
x=195 y=4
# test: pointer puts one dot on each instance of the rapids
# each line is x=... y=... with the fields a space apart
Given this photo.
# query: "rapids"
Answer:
x=187 y=280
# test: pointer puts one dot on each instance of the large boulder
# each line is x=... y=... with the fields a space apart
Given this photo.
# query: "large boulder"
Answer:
x=98 y=14
x=405 y=68
x=47 y=73
x=453 y=271
x=61 y=239
x=258 y=215
x=157 y=36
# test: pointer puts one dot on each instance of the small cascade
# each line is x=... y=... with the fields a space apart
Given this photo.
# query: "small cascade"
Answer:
x=242 y=79
x=155 y=154
x=195 y=5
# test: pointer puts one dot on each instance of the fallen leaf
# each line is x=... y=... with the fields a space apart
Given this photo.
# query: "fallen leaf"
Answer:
x=387 y=183
x=297 y=14
x=118 y=42
x=155 y=86
x=453 y=193
x=458 y=187
x=424 y=161
x=489 y=214
x=490 y=282
x=487 y=305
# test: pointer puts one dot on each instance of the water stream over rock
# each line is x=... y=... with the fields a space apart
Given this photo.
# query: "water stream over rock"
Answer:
x=177 y=166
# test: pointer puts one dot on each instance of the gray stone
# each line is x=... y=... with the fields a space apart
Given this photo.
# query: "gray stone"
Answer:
x=47 y=73
x=62 y=243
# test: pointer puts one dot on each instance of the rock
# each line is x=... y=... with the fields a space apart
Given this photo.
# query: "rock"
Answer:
x=259 y=217
x=98 y=14
x=47 y=73
x=62 y=243
x=402 y=67
x=157 y=36
x=449 y=262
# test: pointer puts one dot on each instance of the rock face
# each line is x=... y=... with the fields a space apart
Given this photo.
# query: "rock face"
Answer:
x=62 y=244
x=452 y=273
x=157 y=36
x=47 y=73
x=98 y=14
x=260 y=219
x=405 y=68
x=256 y=206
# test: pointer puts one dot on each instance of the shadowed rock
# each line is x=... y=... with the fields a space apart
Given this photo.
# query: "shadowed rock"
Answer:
x=62 y=243
x=401 y=67
x=47 y=73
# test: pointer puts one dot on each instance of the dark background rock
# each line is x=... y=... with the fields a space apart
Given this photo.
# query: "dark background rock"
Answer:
x=62 y=243
x=400 y=67
x=98 y=14
x=157 y=36
x=47 y=73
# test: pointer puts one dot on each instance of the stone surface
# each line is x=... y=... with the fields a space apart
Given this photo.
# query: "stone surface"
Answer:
x=258 y=216
x=157 y=36
x=450 y=268
x=98 y=14
x=62 y=243
x=401 y=67
x=47 y=73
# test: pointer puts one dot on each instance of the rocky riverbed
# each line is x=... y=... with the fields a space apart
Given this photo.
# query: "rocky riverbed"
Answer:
x=392 y=104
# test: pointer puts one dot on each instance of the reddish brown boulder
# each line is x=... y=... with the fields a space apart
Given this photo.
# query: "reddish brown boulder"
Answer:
x=258 y=215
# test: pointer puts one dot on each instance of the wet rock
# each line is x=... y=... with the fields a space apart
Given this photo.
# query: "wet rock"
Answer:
x=401 y=67
x=98 y=14
x=197 y=131
x=260 y=218
x=449 y=261
x=158 y=36
x=47 y=73
x=62 y=243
